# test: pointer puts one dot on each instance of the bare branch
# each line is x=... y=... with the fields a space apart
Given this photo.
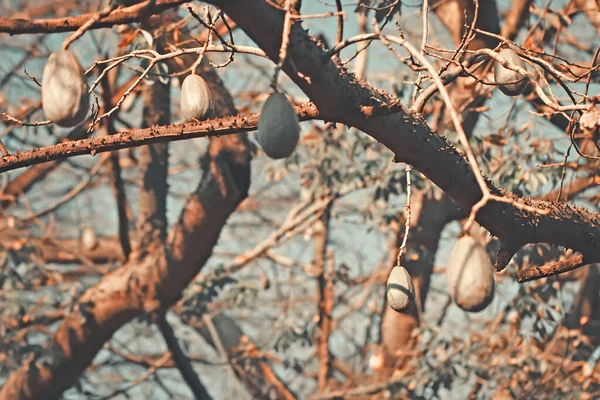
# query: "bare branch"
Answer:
x=181 y=360
x=126 y=15
x=569 y=264
x=139 y=137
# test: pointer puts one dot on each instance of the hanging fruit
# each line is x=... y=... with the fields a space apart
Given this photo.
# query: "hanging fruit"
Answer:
x=470 y=275
x=399 y=289
x=510 y=82
x=89 y=240
x=65 y=97
x=278 y=127
x=196 y=100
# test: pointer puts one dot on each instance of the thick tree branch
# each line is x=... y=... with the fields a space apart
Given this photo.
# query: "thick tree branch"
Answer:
x=141 y=286
x=340 y=97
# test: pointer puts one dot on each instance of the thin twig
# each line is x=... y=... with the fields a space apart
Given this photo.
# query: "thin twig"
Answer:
x=17 y=121
x=285 y=41
x=534 y=273
x=181 y=360
x=83 y=28
x=408 y=215
x=219 y=345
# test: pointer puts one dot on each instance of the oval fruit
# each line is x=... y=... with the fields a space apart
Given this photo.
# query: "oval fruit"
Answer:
x=503 y=75
x=399 y=289
x=65 y=97
x=278 y=127
x=470 y=275
x=89 y=240
x=196 y=99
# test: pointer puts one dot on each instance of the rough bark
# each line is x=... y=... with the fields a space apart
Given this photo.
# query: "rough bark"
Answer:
x=140 y=137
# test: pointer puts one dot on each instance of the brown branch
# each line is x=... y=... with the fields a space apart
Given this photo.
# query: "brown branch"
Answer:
x=555 y=268
x=126 y=15
x=139 y=137
x=577 y=186
x=340 y=27
x=143 y=285
x=181 y=360
x=251 y=366
x=114 y=173
x=151 y=224
x=324 y=298
x=93 y=19
x=340 y=97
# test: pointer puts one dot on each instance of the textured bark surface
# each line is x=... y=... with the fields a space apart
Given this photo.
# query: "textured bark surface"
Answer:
x=339 y=96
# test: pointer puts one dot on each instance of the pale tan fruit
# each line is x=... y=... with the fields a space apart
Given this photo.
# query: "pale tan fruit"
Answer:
x=89 y=240
x=65 y=97
x=399 y=289
x=470 y=275
x=278 y=127
x=503 y=75
x=196 y=99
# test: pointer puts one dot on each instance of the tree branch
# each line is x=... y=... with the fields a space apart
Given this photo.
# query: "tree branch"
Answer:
x=27 y=179
x=181 y=361
x=534 y=273
x=139 y=137
x=151 y=223
x=126 y=15
x=340 y=97
x=114 y=173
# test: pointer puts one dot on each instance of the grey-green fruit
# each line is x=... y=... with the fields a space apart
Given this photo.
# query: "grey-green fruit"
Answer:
x=470 y=275
x=278 y=127
x=89 y=240
x=65 y=98
x=196 y=99
x=399 y=289
x=503 y=75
